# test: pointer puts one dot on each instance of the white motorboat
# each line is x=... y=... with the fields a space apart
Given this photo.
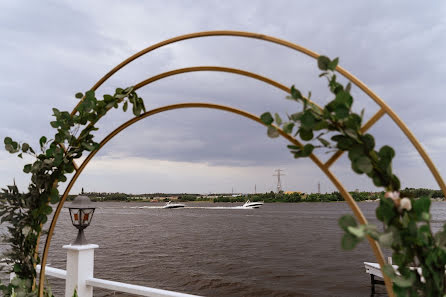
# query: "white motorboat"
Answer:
x=249 y=204
x=173 y=205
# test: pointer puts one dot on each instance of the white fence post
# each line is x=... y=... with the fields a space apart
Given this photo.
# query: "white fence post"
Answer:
x=80 y=265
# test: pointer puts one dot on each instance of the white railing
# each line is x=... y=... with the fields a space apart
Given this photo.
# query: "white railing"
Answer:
x=79 y=276
x=55 y=272
x=133 y=289
x=116 y=286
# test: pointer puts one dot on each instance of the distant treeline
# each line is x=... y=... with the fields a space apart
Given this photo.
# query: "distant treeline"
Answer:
x=300 y=197
x=415 y=193
x=266 y=197
x=95 y=196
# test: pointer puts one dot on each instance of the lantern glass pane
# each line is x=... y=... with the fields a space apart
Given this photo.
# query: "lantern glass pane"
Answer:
x=87 y=215
x=75 y=216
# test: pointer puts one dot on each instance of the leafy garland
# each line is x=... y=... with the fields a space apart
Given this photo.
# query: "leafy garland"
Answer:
x=407 y=229
x=25 y=213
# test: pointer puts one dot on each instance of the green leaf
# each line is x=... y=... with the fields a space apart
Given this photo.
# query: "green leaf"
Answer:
x=353 y=122
x=56 y=113
x=54 y=196
x=267 y=118
x=143 y=106
x=386 y=152
x=344 y=98
x=89 y=95
x=404 y=282
x=108 y=98
x=124 y=107
x=8 y=140
x=62 y=178
x=351 y=133
x=364 y=164
x=389 y=271
x=27 y=168
x=323 y=62
x=349 y=241
x=320 y=125
x=422 y=205
x=88 y=146
x=343 y=142
x=396 y=185
x=288 y=127
x=323 y=142
x=355 y=152
x=272 y=132
x=278 y=119
x=307 y=120
x=425 y=216
x=295 y=93
x=369 y=142
x=25 y=147
x=293 y=147
x=42 y=141
x=296 y=116
x=17 y=268
x=356 y=169
x=347 y=221
x=356 y=231
x=47 y=209
x=307 y=150
x=79 y=95
x=377 y=181
x=332 y=65
x=386 y=239
x=9 y=148
x=385 y=212
x=341 y=112
x=348 y=87
x=305 y=134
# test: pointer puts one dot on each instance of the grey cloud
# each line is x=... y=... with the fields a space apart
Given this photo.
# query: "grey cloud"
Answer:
x=53 y=49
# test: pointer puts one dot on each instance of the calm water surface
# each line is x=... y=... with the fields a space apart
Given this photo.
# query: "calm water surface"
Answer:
x=277 y=250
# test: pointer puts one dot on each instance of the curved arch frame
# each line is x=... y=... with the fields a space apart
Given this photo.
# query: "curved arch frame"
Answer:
x=385 y=109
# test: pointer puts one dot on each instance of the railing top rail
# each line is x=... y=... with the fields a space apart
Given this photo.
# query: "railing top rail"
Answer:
x=118 y=286
x=134 y=289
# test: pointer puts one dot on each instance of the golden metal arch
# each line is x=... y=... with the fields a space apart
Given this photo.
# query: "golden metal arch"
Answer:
x=353 y=205
x=305 y=51
x=385 y=109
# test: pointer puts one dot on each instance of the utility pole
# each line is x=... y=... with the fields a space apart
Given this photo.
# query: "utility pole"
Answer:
x=279 y=183
x=255 y=189
x=319 y=187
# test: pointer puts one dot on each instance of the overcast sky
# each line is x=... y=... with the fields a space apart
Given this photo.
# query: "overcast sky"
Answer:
x=52 y=49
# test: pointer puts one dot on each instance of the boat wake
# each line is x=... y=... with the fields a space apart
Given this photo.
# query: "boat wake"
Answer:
x=248 y=205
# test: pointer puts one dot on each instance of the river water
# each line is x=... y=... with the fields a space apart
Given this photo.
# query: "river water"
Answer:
x=277 y=250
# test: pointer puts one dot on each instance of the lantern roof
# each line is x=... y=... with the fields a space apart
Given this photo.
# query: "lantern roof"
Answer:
x=81 y=201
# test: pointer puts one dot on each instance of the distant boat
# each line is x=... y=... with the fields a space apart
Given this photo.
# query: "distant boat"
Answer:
x=249 y=204
x=173 y=205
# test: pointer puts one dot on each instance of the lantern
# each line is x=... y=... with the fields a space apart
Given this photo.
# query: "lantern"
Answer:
x=81 y=213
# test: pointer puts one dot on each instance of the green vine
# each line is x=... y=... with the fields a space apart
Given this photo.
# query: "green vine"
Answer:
x=407 y=230
x=25 y=213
